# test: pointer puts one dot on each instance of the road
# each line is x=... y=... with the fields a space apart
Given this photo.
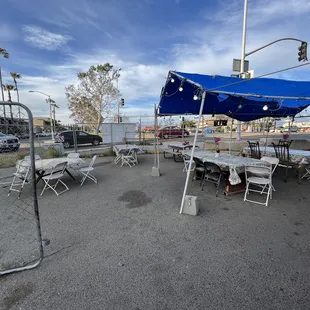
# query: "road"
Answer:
x=225 y=136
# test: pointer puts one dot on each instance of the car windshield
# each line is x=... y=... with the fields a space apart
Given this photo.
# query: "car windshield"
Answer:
x=2 y=134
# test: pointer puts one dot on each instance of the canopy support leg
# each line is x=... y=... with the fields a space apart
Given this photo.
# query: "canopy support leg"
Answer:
x=155 y=169
x=192 y=153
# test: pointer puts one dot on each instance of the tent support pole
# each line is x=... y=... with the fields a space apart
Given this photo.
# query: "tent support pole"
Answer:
x=230 y=138
x=193 y=150
x=155 y=169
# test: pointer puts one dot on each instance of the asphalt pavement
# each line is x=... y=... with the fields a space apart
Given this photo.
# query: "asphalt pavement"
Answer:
x=122 y=244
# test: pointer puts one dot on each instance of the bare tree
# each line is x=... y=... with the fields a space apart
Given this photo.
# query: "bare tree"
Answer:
x=95 y=97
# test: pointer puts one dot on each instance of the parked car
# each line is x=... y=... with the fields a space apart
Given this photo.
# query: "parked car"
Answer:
x=8 y=142
x=172 y=131
x=293 y=129
x=82 y=137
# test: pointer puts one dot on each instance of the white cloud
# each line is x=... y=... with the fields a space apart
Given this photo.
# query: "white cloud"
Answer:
x=43 y=39
x=210 y=49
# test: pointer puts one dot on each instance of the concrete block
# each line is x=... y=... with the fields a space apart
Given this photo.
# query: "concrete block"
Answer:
x=155 y=172
x=191 y=206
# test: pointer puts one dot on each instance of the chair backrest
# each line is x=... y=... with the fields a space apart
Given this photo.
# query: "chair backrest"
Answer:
x=212 y=167
x=60 y=167
x=198 y=162
x=282 y=151
x=73 y=155
x=23 y=168
x=274 y=161
x=254 y=150
x=92 y=161
x=259 y=171
x=115 y=150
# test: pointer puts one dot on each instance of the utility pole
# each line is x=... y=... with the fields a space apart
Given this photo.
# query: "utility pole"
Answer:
x=50 y=102
x=245 y=15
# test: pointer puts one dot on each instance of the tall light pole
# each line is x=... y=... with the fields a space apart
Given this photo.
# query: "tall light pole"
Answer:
x=245 y=17
x=50 y=102
x=118 y=103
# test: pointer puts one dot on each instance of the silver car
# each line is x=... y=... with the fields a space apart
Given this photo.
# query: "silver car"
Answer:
x=8 y=142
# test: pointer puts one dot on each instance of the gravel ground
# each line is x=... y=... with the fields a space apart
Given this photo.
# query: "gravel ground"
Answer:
x=122 y=244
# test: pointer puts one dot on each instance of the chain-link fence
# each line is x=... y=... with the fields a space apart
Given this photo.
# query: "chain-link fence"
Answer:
x=20 y=234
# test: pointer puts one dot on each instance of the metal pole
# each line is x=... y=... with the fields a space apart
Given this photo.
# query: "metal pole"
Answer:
x=245 y=14
x=51 y=117
x=230 y=138
x=192 y=153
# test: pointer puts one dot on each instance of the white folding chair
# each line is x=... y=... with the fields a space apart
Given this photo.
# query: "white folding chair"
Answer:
x=307 y=174
x=21 y=177
x=129 y=159
x=85 y=171
x=56 y=174
x=118 y=157
x=258 y=177
x=274 y=162
x=187 y=163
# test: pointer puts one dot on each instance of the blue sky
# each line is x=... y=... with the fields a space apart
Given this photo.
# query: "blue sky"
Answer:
x=49 y=42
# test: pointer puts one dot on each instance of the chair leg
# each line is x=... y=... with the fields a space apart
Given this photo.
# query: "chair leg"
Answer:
x=246 y=191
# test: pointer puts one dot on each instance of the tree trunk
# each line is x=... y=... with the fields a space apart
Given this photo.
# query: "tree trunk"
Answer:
x=98 y=123
x=2 y=92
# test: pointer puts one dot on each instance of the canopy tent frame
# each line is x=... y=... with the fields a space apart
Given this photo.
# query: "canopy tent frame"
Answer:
x=215 y=94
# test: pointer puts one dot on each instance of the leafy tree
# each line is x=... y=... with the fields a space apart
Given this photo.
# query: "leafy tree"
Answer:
x=95 y=97
x=169 y=122
x=188 y=124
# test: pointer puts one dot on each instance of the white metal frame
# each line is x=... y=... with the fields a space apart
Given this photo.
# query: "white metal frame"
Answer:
x=307 y=174
x=22 y=173
x=56 y=173
x=274 y=162
x=85 y=171
x=130 y=158
x=258 y=176
x=118 y=157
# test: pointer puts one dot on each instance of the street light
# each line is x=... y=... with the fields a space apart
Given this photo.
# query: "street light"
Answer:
x=118 y=104
x=50 y=102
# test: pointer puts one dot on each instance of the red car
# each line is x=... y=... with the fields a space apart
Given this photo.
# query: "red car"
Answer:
x=172 y=131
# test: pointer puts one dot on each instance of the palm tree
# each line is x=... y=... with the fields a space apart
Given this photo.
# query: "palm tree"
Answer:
x=9 y=88
x=15 y=77
x=5 y=54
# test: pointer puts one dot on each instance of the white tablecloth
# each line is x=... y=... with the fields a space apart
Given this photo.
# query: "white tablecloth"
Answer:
x=180 y=145
x=296 y=156
x=234 y=164
x=124 y=148
x=47 y=164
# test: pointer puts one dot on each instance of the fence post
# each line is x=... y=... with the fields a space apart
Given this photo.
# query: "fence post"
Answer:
x=75 y=139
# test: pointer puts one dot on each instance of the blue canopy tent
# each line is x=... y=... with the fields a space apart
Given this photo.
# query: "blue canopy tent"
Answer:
x=241 y=99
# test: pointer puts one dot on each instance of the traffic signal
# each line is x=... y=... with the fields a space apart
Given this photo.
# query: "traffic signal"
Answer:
x=302 y=52
x=122 y=102
x=120 y=119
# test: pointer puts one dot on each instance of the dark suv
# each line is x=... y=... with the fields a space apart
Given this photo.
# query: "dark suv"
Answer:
x=82 y=137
